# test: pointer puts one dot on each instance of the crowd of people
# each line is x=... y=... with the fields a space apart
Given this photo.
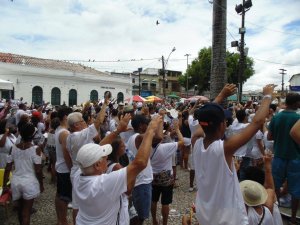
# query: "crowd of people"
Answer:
x=112 y=163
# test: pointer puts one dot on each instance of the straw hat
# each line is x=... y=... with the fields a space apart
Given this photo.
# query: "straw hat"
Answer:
x=254 y=194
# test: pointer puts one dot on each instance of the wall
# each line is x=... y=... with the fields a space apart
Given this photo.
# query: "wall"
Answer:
x=26 y=77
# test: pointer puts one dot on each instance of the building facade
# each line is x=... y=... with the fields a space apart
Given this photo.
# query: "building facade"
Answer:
x=58 y=82
x=151 y=82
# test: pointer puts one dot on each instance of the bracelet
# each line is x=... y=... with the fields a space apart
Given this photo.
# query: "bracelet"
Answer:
x=267 y=96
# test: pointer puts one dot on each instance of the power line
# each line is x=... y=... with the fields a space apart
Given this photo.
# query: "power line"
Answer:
x=265 y=27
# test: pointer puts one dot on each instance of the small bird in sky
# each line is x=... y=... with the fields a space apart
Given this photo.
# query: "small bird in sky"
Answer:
x=157 y=22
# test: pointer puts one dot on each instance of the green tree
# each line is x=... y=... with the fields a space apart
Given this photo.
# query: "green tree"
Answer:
x=200 y=69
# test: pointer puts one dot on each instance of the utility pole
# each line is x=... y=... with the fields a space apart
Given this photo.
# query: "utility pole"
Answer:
x=242 y=55
x=282 y=81
x=140 y=70
x=164 y=75
x=187 y=77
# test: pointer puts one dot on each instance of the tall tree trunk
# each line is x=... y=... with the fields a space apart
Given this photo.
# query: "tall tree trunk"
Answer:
x=218 y=65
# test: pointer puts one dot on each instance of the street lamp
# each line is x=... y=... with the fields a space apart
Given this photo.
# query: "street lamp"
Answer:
x=241 y=9
x=187 y=78
x=164 y=66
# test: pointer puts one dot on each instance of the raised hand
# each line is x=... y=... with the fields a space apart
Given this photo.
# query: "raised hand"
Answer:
x=122 y=127
x=155 y=122
x=268 y=89
x=228 y=90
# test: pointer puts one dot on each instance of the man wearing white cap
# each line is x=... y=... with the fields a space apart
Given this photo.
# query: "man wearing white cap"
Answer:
x=81 y=134
x=98 y=194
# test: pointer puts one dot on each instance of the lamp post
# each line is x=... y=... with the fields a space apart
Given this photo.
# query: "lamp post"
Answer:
x=140 y=70
x=242 y=9
x=164 y=66
x=187 y=78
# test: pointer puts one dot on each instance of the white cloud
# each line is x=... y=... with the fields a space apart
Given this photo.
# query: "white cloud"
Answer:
x=126 y=29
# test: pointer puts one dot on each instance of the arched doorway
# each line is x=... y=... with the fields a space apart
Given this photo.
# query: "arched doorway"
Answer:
x=94 y=95
x=72 y=97
x=55 y=96
x=37 y=95
x=120 y=97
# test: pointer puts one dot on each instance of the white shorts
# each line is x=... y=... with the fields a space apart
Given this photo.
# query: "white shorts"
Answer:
x=26 y=190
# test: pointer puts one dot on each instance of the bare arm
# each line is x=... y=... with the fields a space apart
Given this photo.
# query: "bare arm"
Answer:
x=122 y=127
x=141 y=160
x=295 y=132
x=179 y=134
x=198 y=133
x=228 y=90
x=236 y=141
x=269 y=182
x=3 y=138
x=101 y=115
x=63 y=141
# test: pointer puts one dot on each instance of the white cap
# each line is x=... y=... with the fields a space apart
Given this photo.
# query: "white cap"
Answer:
x=139 y=105
x=90 y=153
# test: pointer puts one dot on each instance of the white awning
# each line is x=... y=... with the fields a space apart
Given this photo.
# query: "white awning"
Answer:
x=6 y=85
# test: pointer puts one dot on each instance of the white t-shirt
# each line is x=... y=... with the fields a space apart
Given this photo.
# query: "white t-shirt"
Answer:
x=146 y=175
x=124 y=213
x=193 y=124
x=4 y=151
x=19 y=113
x=99 y=197
x=113 y=124
x=127 y=134
x=255 y=153
x=76 y=140
x=219 y=199
x=162 y=158
x=254 y=217
x=60 y=165
x=235 y=129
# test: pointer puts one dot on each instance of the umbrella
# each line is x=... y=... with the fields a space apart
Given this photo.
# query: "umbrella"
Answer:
x=173 y=96
x=153 y=99
x=135 y=98
x=198 y=97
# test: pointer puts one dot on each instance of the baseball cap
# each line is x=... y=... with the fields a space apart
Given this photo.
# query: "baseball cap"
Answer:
x=210 y=114
x=90 y=153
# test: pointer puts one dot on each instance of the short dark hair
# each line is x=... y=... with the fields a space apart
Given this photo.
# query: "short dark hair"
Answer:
x=138 y=120
x=27 y=132
x=292 y=99
x=241 y=115
x=63 y=111
x=273 y=107
x=255 y=174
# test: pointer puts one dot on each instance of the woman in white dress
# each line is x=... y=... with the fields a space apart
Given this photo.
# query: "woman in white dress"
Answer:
x=27 y=179
x=7 y=140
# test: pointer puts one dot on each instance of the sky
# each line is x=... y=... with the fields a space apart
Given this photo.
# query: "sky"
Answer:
x=122 y=35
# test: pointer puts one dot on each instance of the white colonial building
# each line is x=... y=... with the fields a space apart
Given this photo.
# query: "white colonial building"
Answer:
x=58 y=82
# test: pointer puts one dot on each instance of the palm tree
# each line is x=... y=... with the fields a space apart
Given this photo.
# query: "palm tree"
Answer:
x=218 y=65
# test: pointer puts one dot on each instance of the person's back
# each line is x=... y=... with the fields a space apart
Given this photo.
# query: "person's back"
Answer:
x=60 y=165
x=24 y=163
x=218 y=200
x=100 y=196
x=284 y=146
